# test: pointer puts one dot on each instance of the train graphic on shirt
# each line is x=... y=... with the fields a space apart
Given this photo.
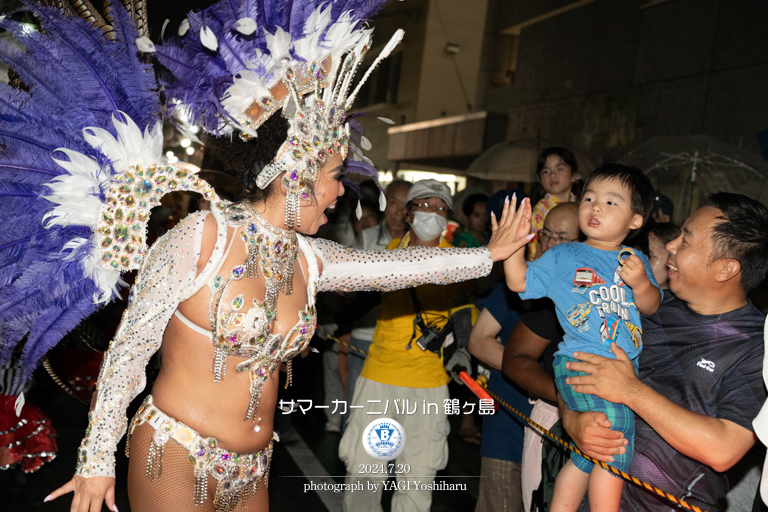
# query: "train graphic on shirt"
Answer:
x=586 y=277
x=578 y=316
x=609 y=331
x=610 y=301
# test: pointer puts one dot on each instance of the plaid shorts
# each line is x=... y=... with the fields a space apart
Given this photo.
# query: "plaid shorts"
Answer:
x=621 y=417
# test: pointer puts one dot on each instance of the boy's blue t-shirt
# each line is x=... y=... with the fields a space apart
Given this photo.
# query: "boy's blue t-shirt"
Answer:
x=594 y=306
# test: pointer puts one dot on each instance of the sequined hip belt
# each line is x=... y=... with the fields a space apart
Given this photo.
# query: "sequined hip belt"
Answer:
x=238 y=475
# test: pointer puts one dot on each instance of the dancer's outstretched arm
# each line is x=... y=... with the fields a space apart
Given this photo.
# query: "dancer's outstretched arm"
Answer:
x=346 y=269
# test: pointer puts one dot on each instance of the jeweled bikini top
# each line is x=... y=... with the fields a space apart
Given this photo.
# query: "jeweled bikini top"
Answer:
x=235 y=331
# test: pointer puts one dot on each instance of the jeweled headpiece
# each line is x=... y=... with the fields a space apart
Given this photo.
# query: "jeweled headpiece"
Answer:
x=256 y=58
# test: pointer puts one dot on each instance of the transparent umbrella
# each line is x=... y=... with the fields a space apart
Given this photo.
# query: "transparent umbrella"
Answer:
x=688 y=169
x=515 y=161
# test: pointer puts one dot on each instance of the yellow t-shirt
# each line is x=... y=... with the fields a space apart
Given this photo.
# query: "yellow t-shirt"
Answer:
x=388 y=360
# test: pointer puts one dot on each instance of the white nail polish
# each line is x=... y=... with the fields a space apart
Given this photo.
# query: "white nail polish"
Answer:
x=47 y=499
x=114 y=508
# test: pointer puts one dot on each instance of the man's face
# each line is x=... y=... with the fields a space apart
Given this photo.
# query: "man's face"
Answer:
x=560 y=226
x=428 y=205
x=367 y=220
x=394 y=213
x=690 y=266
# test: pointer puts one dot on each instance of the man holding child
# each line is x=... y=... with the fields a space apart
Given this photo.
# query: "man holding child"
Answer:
x=700 y=372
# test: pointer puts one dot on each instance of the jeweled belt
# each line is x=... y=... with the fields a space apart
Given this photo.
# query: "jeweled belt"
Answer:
x=238 y=475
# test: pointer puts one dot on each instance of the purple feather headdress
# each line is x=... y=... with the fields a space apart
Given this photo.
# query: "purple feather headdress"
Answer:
x=237 y=63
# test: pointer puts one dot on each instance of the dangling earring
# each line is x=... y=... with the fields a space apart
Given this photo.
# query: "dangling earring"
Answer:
x=292 y=210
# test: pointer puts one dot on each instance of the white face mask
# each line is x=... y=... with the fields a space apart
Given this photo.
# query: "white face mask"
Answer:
x=428 y=226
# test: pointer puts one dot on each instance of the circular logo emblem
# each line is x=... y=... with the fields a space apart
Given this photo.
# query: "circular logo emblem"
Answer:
x=384 y=439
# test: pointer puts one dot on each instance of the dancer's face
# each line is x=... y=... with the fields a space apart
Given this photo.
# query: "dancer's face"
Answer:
x=327 y=188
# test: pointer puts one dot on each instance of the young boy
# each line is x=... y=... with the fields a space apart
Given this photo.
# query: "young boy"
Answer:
x=599 y=288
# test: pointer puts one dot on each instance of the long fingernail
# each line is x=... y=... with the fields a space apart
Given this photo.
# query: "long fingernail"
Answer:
x=114 y=508
x=514 y=195
x=531 y=236
x=47 y=499
x=506 y=200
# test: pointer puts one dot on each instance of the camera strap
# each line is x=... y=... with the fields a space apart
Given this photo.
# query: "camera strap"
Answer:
x=431 y=338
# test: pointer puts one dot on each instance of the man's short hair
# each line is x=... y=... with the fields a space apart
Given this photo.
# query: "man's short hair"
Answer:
x=639 y=185
x=742 y=236
x=397 y=183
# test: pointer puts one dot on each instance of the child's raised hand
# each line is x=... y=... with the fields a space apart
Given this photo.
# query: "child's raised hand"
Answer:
x=511 y=232
x=633 y=272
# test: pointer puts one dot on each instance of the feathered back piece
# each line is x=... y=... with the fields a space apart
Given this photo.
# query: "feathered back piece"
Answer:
x=80 y=162
x=238 y=63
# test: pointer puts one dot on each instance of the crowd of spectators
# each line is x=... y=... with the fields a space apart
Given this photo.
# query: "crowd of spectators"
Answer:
x=696 y=392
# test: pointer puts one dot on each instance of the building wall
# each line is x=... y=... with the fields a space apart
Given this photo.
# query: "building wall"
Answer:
x=448 y=83
x=609 y=75
x=429 y=84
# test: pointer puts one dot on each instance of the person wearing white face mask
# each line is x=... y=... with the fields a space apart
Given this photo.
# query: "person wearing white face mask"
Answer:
x=398 y=369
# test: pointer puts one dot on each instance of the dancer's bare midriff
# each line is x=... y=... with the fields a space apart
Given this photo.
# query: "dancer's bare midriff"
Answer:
x=185 y=387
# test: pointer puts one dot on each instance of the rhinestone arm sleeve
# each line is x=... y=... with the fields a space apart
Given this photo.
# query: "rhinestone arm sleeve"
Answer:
x=348 y=269
x=169 y=267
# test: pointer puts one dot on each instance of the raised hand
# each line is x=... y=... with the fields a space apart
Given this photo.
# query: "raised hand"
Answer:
x=511 y=232
x=633 y=272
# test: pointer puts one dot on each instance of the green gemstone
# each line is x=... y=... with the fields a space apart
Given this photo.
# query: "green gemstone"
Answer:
x=121 y=233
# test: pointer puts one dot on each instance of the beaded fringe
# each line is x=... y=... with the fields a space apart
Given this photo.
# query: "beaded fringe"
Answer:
x=128 y=443
x=251 y=262
x=155 y=460
x=225 y=501
x=288 y=373
x=292 y=211
x=253 y=405
x=219 y=364
x=201 y=487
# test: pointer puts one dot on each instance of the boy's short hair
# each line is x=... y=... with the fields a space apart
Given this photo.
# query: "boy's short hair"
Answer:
x=742 y=236
x=639 y=185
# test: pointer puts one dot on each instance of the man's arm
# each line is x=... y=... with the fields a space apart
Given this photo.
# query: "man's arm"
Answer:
x=521 y=362
x=716 y=442
x=482 y=340
x=591 y=431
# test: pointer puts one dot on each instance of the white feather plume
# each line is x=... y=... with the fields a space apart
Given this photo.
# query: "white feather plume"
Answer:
x=77 y=194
